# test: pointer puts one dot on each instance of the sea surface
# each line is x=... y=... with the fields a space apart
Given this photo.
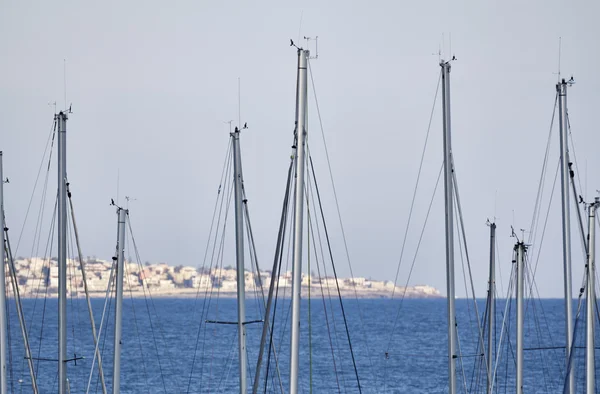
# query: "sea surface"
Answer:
x=397 y=346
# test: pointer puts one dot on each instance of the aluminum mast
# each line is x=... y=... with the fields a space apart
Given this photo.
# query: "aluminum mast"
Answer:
x=448 y=198
x=119 y=299
x=239 y=252
x=520 y=248
x=3 y=319
x=300 y=131
x=61 y=118
x=590 y=364
x=491 y=311
x=561 y=88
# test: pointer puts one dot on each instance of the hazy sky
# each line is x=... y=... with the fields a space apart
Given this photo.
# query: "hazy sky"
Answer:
x=153 y=82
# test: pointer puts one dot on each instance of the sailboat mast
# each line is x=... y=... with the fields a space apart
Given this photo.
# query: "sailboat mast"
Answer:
x=3 y=320
x=301 y=131
x=61 y=119
x=561 y=88
x=448 y=199
x=520 y=247
x=119 y=300
x=590 y=364
x=239 y=252
x=491 y=311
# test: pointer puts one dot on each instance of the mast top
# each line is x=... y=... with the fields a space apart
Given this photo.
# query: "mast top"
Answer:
x=446 y=63
x=62 y=114
x=564 y=83
x=300 y=49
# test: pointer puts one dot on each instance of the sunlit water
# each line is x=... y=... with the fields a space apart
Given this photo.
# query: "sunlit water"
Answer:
x=395 y=350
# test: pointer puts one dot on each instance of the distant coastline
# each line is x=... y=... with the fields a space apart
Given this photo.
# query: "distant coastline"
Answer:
x=37 y=276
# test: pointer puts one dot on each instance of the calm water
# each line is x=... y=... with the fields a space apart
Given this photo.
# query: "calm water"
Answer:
x=168 y=347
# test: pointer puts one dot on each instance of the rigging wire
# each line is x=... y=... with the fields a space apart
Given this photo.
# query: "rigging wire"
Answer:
x=459 y=348
x=464 y=238
x=504 y=326
x=460 y=359
x=85 y=286
x=107 y=298
x=135 y=324
x=574 y=340
x=139 y=262
x=254 y=261
x=264 y=305
x=76 y=324
x=335 y=273
x=285 y=213
x=50 y=138
x=331 y=345
x=417 y=181
x=20 y=314
x=401 y=303
x=217 y=207
x=546 y=220
x=536 y=323
x=45 y=260
x=331 y=309
x=219 y=269
x=360 y=312
x=532 y=229
x=329 y=296
x=574 y=153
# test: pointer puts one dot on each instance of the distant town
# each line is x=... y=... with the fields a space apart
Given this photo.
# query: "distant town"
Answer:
x=37 y=275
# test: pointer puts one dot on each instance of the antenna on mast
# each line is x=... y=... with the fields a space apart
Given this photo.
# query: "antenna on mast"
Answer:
x=128 y=199
x=495 y=204
x=443 y=47
x=559 y=49
x=316 y=40
x=65 y=81
x=118 y=182
x=438 y=53
x=450 y=44
x=300 y=24
x=67 y=110
x=229 y=122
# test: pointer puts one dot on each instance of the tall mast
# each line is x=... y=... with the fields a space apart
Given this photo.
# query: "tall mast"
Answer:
x=590 y=365
x=119 y=299
x=239 y=253
x=448 y=199
x=521 y=248
x=61 y=118
x=3 y=323
x=300 y=131
x=561 y=88
x=491 y=311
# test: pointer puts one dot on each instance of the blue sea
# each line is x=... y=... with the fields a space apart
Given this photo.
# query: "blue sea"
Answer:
x=398 y=346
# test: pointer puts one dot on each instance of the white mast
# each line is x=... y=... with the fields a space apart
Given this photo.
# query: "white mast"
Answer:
x=301 y=131
x=590 y=364
x=491 y=311
x=3 y=319
x=561 y=88
x=448 y=198
x=521 y=248
x=61 y=118
x=119 y=299
x=239 y=253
